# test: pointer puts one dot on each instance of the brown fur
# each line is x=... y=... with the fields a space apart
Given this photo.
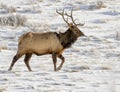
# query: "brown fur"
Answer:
x=39 y=44
x=46 y=43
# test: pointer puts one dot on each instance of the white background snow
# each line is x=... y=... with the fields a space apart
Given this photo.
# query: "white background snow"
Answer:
x=92 y=63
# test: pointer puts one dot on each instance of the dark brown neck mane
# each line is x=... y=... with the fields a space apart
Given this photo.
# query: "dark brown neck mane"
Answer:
x=67 y=38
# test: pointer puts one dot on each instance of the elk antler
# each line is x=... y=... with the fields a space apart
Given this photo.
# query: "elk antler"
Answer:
x=71 y=16
x=62 y=14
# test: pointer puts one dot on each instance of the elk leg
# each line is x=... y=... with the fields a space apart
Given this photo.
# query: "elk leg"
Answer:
x=54 y=57
x=16 y=57
x=26 y=60
x=63 y=60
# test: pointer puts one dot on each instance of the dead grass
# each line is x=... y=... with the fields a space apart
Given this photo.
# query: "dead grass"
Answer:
x=7 y=9
x=117 y=35
x=12 y=20
x=40 y=0
x=3 y=6
x=100 y=5
x=11 y=9
x=3 y=48
x=97 y=5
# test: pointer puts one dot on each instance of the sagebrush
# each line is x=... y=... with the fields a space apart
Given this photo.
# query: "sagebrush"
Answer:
x=12 y=20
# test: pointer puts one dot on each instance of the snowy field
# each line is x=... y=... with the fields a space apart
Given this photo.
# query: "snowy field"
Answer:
x=92 y=63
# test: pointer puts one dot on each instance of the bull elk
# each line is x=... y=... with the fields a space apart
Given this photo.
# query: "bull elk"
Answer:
x=48 y=43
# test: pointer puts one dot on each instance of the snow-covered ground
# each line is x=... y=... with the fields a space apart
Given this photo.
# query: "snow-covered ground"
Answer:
x=92 y=63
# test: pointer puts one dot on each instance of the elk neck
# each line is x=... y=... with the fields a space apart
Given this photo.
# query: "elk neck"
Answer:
x=67 y=38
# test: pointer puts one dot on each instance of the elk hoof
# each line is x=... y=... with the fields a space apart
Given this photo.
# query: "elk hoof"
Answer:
x=9 y=69
x=58 y=68
x=30 y=70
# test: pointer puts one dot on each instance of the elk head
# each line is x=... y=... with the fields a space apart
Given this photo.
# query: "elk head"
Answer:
x=72 y=26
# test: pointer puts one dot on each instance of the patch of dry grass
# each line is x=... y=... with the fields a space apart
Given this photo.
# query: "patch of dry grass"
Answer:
x=117 y=35
x=100 y=5
x=12 y=20
x=97 y=5
x=7 y=9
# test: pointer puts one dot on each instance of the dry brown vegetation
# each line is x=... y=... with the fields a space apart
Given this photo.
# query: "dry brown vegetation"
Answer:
x=12 y=20
x=7 y=9
x=97 y=5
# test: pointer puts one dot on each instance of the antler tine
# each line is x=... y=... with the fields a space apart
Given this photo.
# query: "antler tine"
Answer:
x=62 y=14
x=80 y=24
x=71 y=16
x=59 y=12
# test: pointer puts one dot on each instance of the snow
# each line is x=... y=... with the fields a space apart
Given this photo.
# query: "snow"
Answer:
x=92 y=63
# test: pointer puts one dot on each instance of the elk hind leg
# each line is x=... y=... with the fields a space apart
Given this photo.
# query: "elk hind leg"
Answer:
x=15 y=58
x=26 y=60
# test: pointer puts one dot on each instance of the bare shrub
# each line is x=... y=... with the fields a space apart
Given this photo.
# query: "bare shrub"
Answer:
x=3 y=46
x=97 y=5
x=40 y=0
x=8 y=9
x=117 y=35
x=56 y=0
x=100 y=5
x=3 y=6
x=12 y=20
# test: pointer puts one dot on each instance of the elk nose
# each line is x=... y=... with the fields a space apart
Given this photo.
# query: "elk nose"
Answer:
x=82 y=34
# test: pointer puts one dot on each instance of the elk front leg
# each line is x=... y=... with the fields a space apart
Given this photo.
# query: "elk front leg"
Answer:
x=54 y=57
x=63 y=60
